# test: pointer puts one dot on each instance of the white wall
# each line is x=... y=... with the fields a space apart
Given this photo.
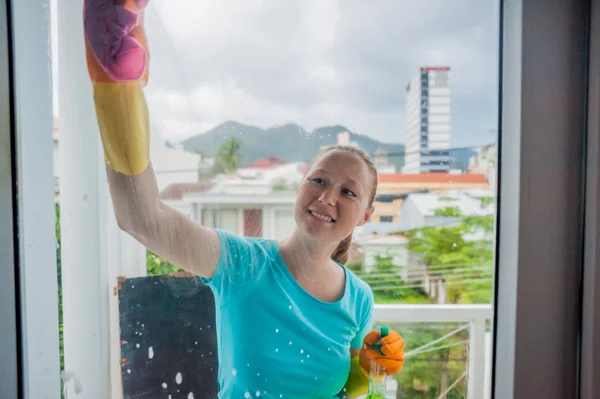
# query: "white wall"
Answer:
x=172 y=165
x=278 y=220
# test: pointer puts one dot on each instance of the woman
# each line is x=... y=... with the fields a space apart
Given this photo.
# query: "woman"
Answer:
x=292 y=321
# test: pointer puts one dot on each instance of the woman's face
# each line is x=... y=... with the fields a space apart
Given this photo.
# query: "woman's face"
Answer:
x=334 y=196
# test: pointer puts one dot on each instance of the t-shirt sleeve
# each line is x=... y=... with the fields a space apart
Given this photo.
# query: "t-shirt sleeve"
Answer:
x=241 y=261
x=366 y=319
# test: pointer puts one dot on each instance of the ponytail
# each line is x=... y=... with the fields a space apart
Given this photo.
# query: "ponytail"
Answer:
x=342 y=251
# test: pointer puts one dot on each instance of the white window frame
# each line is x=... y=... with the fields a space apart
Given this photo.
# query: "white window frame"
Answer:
x=10 y=353
x=33 y=223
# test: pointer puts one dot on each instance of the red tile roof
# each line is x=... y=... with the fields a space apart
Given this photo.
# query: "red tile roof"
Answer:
x=267 y=163
x=442 y=178
x=176 y=191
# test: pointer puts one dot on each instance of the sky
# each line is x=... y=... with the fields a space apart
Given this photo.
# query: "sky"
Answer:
x=319 y=63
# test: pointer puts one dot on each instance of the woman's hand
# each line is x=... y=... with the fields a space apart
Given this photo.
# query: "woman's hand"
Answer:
x=115 y=40
x=392 y=346
x=117 y=59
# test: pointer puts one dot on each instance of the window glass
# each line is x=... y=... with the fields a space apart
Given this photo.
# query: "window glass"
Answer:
x=245 y=100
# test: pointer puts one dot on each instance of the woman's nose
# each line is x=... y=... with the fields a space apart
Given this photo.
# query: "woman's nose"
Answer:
x=328 y=197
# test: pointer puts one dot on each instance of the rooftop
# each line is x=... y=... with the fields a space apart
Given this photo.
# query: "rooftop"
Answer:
x=428 y=203
x=441 y=178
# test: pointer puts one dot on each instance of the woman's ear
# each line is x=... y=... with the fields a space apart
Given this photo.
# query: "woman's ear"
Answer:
x=366 y=216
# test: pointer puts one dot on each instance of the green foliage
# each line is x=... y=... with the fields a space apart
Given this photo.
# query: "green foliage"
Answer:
x=229 y=156
x=446 y=198
x=428 y=375
x=284 y=185
x=485 y=201
x=155 y=265
x=388 y=287
x=465 y=264
x=59 y=277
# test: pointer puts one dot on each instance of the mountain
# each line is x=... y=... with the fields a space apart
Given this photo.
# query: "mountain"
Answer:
x=292 y=143
x=289 y=142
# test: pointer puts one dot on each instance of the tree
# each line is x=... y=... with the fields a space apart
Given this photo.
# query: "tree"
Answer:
x=461 y=253
x=155 y=265
x=229 y=156
x=387 y=285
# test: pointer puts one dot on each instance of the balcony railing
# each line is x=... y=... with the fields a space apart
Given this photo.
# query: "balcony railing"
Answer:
x=474 y=318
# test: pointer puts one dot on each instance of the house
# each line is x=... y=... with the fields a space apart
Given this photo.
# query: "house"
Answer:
x=170 y=162
x=393 y=189
x=174 y=165
x=422 y=209
x=267 y=215
x=485 y=161
x=256 y=201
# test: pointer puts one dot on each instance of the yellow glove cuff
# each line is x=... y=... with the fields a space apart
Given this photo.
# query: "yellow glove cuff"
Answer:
x=124 y=125
x=358 y=380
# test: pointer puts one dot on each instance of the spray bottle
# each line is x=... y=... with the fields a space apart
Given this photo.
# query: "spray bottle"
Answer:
x=377 y=373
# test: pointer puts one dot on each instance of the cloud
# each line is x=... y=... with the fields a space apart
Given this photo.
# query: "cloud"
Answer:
x=319 y=62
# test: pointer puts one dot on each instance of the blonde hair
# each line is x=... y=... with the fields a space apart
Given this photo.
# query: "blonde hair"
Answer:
x=341 y=252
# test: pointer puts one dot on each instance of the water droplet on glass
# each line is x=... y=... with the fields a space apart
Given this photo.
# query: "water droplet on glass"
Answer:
x=128 y=371
x=234 y=372
x=257 y=394
x=301 y=350
x=290 y=342
x=276 y=349
x=247 y=395
x=164 y=385
x=277 y=330
x=137 y=345
x=190 y=395
x=178 y=378
x=150 y=352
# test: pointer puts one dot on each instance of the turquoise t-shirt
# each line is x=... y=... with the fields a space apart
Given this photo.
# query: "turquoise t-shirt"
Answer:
x=275 y=340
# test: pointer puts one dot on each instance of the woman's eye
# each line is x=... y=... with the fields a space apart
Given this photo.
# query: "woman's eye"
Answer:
x=318 y=181
x=350 y=192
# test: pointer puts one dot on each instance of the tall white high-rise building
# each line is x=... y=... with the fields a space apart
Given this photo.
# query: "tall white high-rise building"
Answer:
x=428 y=122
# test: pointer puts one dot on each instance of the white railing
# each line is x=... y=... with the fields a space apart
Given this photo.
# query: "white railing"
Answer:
x=476 y=316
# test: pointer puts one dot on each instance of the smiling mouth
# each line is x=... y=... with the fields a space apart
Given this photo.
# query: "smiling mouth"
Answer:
x=322 y=217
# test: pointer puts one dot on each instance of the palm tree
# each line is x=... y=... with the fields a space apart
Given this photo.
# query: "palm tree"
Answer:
x=229 y=157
